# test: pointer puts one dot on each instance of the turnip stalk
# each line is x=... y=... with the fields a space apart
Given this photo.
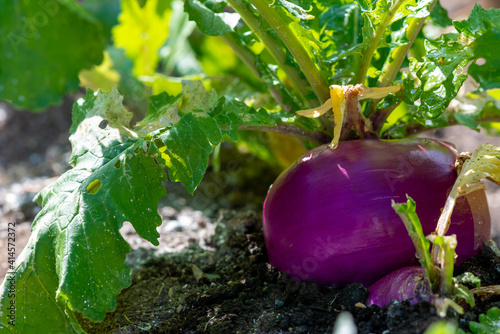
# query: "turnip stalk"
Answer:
x=483 y=163
x=406 y=212
x=437 y=272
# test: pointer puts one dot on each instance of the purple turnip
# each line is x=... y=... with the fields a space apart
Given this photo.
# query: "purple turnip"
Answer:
x=328 y=217
x=407 y=283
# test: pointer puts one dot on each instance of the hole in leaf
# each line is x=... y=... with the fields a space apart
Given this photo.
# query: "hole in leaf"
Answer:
x=103 y=124
x=159 y=143
x=117 y=164
x=480 y=61
x=94 y=186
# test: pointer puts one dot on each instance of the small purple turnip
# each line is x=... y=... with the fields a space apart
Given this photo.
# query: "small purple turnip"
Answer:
x=407 y=283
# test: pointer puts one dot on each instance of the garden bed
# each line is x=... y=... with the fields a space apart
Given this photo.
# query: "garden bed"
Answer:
x=210 y=273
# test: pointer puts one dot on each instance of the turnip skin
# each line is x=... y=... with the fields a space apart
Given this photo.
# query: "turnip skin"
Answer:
x=407 y=283
x=328 y=217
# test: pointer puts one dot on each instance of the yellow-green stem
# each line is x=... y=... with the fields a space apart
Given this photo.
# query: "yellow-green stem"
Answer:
x=392 y=66
x=296 y=48
x=247 y=57
x=372 y=47
x=271 y=44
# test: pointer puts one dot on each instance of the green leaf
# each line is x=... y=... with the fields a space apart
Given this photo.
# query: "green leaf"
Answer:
x=106 y=11
x=162 y=113
x=489 y=323
x=461 y=291
x=408 y=215
x=41 y=53
x=75 y=257
x=177 y=53
x=439 y=16
x=141 y=33
x=74 y=261
x=478 y=22
x=435 y=81
x=487 y=48
x=296 y=18
x=483 y=26
x=187 y=148
x=207 y=119
x=467 y=119
x=196 y=98
x=210 y=17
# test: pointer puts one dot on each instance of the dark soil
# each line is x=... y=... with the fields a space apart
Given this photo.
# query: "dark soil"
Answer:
x=233 y=289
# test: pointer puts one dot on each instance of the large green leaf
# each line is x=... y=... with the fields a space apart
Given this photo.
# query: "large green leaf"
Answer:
x=43 y=46
x=487 y=48
x=75 y=258
x=483 y=29
x=478 y=22
x=106 y=11
x=436 y=79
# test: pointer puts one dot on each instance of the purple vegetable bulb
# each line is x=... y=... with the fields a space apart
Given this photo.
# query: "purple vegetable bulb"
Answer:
x=407 y=283
x=328 y=217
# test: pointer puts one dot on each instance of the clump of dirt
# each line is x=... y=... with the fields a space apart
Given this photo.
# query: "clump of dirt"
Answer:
x=231 y=288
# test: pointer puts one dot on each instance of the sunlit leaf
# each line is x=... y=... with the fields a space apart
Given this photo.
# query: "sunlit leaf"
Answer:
x=102 y=77
x=142 y=32
x=483 y=163
x=41 y=54
x=210 y=16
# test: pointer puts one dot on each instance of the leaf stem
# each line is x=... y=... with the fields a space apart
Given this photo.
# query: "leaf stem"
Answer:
x=247 y=57
x=443 y=257
x=294 y=45
x=408 y=215
x=397 y=56
x=413 y=129
x=372 y=47
x=291 y=130
x=271 y=44
x=393 y=65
